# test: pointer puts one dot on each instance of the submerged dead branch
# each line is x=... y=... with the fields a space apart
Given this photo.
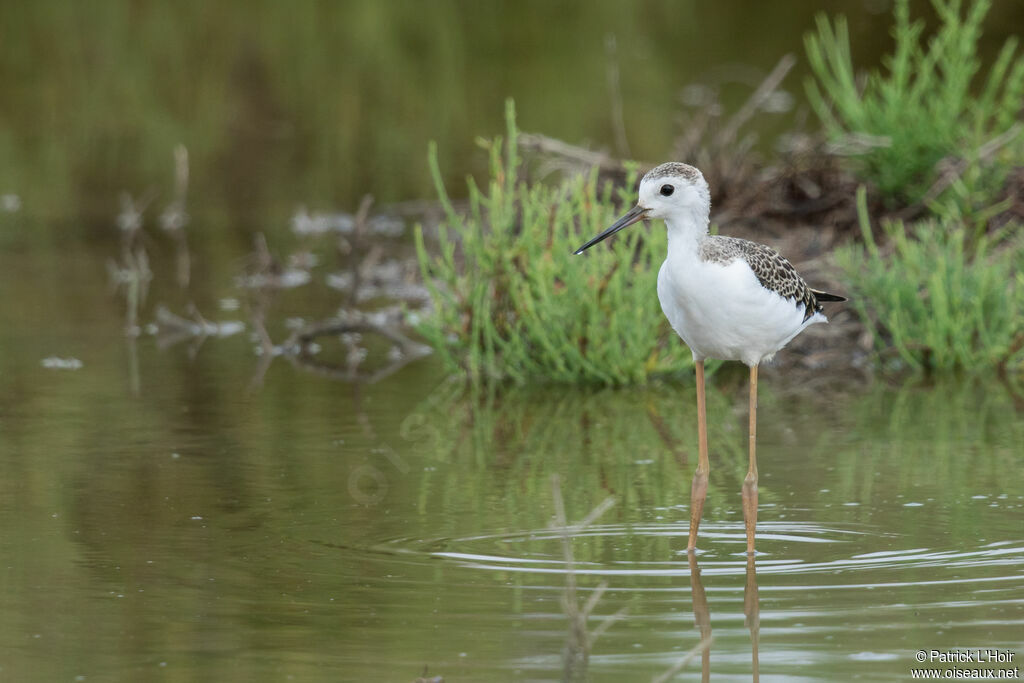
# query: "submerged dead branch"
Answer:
x=263 y=274
x=132 y=275
x=579 y=643
x=352 y=248
x=301 y=350
x=697 y=649
x=171 y=329
x=364 y=277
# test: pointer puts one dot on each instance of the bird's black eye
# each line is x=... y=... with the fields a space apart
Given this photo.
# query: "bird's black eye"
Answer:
x=667 y=190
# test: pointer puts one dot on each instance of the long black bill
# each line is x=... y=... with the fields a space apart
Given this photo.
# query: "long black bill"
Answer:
x=637 y=213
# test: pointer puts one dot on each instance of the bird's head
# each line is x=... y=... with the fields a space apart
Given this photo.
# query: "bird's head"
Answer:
x=667 y=191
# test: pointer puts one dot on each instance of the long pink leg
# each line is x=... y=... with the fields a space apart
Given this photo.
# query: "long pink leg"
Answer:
x=699 y=488
x=750 y=482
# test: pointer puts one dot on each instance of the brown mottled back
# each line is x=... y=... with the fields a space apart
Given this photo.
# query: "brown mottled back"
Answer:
x=772 y=270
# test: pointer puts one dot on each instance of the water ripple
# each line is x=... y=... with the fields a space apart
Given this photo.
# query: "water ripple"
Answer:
x=829 y=594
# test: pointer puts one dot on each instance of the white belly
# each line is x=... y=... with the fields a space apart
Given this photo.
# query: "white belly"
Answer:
x=722 y=311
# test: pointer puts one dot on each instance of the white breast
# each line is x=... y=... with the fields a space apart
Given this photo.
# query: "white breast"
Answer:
x=722 y=311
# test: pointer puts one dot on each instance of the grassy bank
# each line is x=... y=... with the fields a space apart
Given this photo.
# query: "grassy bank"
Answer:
x=937 y=136
x=931 y=102
x=940 y=293
x=937 y=297
x=513 y=302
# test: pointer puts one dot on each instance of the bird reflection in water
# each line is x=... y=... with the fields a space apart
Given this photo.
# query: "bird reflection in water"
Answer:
x=702 y=615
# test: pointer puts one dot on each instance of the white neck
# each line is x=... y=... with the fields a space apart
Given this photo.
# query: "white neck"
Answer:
x=686 y=229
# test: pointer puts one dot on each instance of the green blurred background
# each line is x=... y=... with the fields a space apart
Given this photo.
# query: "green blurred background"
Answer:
x=321 y=102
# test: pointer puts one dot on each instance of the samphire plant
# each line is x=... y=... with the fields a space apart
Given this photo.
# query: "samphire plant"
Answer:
x=513 y=302
x=927 y=104
x=940 y=296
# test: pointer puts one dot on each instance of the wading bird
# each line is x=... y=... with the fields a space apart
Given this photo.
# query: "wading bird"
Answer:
x=727 y=298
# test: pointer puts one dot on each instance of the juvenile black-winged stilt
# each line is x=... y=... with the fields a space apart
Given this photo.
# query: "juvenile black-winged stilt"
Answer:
x=726 y=297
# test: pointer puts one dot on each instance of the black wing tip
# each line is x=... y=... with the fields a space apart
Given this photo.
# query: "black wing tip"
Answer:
x=825 y=296
x=812 y=305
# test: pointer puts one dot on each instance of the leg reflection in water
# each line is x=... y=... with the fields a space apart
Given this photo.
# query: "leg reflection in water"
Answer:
x=702 y=615
x=752 y=614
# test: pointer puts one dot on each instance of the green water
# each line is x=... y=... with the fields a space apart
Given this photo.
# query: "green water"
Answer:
x=315 y=530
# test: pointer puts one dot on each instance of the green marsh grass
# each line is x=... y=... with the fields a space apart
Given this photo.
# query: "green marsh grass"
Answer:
x=941 y=297
x=928 y=104
x=514 y=303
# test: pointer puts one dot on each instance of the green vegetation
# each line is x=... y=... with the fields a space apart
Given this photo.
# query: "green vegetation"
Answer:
x=945 y=293
x=927 y=106
x=945 y=298
x=512 y=300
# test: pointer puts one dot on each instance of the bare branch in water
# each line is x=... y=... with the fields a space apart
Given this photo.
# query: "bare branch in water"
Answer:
x=299 y=350
x=579 y=642
x=171 y=329
x=133 y=275
x=681 y=664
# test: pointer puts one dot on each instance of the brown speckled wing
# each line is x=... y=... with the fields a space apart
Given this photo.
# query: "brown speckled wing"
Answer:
x=772 y=270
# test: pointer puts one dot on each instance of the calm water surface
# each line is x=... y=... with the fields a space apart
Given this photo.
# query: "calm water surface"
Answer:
x=310 y=530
